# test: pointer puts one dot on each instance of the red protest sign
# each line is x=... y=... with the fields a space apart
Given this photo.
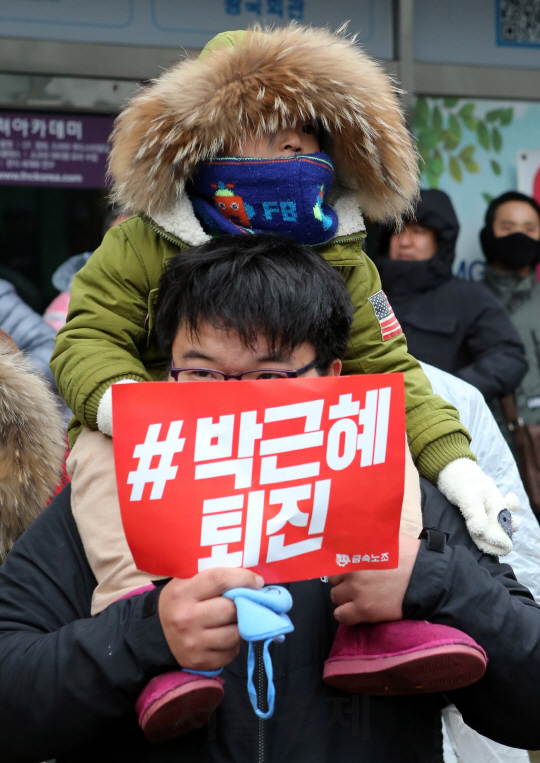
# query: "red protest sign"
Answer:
x=293 y=478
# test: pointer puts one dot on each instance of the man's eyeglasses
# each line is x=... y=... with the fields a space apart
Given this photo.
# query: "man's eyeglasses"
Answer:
x=210 y=374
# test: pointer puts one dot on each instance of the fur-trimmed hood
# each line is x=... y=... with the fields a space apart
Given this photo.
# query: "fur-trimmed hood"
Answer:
x=254 y=82
x=31 y=446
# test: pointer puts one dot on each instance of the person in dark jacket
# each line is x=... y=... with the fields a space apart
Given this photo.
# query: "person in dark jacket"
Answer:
x=453 y=324
x=69 y=681
x=511 y=244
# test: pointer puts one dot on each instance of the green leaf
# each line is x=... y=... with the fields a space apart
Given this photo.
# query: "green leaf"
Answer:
x=428 y=139
x=437 y=121
x=421 y=113
x=488 y=197
x=492 y=116
x=496 y=139
x=432 y=180
x=424 y=154
x=496 y=167
x=467 y=153
x=450 y=141
x=470 y=123
x=466 y=111
x=483 y=134
x=455 y=170
x=449 y=103
x=435 y=167
x=454 y=128
x=471 y=166
x=506 y=116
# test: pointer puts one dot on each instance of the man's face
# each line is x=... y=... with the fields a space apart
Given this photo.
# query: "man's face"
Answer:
x=222 y=350
x=414 y=242
x=516 y=217
x=303 y=138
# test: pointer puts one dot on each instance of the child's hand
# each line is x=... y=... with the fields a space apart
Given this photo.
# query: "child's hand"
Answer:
x=481 y=503
x=199 y=623
x=376 y=596
x=104 y=411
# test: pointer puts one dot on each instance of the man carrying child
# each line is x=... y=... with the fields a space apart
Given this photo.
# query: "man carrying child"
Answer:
x=70 y=681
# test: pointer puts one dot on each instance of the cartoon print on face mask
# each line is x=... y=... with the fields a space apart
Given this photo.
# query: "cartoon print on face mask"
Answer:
x=286 y=195
x=232 y=206
x=318 y=210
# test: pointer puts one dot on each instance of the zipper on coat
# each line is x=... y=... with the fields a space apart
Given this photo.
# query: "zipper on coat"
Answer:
x=262 y=704
x=179 y=244
x=348 y=239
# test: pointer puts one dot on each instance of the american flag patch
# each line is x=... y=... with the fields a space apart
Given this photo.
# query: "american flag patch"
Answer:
x=385 y=315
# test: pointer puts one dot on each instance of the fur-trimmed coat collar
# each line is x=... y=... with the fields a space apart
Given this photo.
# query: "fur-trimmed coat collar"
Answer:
x=254 y=82
x=32 y=446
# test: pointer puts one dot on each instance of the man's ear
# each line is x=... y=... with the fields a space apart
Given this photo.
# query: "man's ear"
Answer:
x=334 y=369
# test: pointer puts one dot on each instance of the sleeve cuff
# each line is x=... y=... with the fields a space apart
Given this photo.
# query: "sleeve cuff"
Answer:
x=104 y=412
x=437 y=454
x=92 y=403
x=153 y=650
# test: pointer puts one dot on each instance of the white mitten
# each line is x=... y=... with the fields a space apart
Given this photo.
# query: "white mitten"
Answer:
x=104 y=411
x=481 y=502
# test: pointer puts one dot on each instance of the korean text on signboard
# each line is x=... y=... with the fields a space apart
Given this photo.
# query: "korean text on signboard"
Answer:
x=56 y=150
x=291 y=9
x=294 y=479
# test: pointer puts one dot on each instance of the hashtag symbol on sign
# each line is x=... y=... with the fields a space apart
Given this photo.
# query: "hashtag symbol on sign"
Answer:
x=164 y=471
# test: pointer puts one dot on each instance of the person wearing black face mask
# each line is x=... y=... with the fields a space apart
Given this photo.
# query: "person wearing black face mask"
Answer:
x=511 y=244
x=511 y=237
x=452 y=324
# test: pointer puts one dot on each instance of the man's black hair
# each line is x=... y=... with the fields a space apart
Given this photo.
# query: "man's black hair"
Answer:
x=509 y=196
x=257 y=285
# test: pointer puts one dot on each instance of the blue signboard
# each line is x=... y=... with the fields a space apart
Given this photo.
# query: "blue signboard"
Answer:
x=175 y=23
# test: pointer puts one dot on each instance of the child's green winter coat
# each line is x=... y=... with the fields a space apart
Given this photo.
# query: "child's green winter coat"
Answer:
x=109 y=336
x=248 y=84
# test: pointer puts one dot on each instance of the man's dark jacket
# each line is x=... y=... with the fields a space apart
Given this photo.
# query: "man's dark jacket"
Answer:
x=453 y=324
x=69 y=682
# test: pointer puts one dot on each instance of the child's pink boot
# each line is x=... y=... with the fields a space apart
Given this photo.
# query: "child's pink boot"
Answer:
x=177 y=702
x=402 y=657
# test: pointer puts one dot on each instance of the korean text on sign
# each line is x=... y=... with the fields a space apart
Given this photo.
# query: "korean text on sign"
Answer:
x=294 y=479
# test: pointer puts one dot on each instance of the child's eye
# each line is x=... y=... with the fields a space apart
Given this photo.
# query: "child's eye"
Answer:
x=309 y=129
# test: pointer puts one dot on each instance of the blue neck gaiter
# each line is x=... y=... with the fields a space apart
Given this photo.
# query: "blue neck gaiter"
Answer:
x=233 y=194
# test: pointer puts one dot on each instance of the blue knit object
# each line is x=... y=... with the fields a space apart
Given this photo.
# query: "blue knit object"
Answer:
x=234 y=194
x=261 y=617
